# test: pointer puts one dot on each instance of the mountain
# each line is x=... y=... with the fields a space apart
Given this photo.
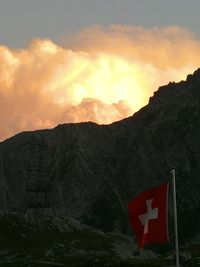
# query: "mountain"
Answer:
x=90 y=172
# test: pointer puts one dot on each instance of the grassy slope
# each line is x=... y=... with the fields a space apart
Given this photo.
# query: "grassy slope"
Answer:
x=26 y=243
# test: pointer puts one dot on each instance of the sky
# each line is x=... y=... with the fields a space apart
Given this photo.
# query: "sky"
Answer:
x=89 y=60
x=23 y=20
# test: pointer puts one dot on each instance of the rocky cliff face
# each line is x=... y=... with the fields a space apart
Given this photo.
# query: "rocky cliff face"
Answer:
x=91 y=171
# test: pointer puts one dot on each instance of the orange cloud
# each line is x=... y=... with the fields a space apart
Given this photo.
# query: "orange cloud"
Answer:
x=100 y=75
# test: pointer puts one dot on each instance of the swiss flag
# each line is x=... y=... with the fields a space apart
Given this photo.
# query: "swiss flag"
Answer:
x=148 y=215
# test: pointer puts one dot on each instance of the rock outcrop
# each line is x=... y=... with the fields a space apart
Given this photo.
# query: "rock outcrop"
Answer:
x=91 y=171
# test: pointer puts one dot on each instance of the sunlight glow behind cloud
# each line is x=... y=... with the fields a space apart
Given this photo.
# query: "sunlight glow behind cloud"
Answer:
x=99 y=75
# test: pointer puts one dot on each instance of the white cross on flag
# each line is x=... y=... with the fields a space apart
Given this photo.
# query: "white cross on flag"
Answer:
x=148 y=216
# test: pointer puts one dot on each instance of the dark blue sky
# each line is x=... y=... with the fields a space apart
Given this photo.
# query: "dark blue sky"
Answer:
x=23 y=20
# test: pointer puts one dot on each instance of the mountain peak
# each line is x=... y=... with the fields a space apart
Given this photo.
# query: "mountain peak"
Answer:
x=91 y=171
x=195 y=77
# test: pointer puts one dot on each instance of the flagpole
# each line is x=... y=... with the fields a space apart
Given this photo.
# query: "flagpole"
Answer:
x=175 y=216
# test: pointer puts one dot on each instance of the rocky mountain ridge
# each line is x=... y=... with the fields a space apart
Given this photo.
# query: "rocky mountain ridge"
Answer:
x=91 y=172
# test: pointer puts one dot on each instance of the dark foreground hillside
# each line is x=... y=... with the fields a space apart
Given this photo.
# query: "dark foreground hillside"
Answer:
x=65 y=242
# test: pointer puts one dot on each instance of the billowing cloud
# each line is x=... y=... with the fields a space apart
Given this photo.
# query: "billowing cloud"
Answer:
x=98 y=74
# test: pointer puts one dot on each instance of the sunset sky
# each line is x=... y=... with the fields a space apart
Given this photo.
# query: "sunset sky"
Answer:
x=89 y=60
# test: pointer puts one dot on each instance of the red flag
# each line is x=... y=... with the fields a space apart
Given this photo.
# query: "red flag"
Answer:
x=148 y=215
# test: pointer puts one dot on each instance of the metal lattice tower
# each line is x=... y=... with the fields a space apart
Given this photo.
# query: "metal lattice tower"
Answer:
x=40 y=174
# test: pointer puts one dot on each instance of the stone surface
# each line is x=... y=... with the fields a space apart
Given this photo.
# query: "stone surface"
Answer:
x=91 y=172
